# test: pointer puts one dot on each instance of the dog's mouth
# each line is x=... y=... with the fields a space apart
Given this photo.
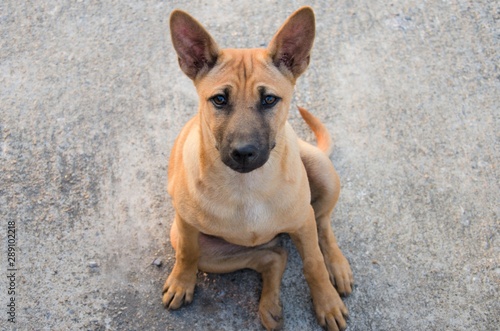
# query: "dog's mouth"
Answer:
x=246 y=157
x=244 y=169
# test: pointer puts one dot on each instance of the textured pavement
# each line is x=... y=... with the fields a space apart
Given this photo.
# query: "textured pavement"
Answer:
x=91 y=100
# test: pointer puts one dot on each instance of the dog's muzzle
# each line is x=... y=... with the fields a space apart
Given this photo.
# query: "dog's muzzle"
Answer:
x=245 y=158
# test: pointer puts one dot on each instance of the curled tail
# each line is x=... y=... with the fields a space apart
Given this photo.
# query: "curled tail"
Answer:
x=323 y=138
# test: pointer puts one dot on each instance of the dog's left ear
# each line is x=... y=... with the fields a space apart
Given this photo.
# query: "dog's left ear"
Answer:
x=290 y=47
x=195 y=47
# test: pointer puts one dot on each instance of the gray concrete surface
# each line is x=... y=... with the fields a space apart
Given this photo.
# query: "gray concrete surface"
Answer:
x=91 y=100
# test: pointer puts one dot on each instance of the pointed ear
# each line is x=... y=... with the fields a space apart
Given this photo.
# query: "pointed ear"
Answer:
x=196 y=49
x=291 y=46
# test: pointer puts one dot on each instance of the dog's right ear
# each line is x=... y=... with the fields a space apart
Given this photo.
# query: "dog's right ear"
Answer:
x=291 y=46
x=196 y=49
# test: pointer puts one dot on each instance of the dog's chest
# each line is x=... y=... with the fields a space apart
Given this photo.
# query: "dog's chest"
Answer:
x=252 y=213
x=244 y=218
x=250 y=222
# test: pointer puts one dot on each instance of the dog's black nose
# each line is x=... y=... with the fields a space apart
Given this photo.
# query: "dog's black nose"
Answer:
x=244 y=154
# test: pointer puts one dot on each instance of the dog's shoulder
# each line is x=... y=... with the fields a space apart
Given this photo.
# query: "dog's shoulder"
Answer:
x=188 y=139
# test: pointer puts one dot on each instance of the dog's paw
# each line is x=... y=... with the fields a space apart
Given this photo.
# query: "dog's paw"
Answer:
x=178 y=290
x=340 y=273
x=271 y=313
x=331 y=312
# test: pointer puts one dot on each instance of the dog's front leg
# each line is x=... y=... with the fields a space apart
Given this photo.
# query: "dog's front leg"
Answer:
x=179 y=287
x=330 y=310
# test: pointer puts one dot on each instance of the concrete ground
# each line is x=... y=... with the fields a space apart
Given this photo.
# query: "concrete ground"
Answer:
x=91 y=100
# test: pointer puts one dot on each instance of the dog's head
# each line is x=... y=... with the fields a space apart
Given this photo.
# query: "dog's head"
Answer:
x=244 y=93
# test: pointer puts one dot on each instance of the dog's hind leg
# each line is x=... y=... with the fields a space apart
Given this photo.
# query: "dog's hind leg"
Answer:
x=219 y=256
x=325 y=189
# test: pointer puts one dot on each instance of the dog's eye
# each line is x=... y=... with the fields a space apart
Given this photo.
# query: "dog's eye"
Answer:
x=219 y=100
x=269 y=100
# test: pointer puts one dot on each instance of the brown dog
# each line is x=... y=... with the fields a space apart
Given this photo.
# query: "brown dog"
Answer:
x=239 y=175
